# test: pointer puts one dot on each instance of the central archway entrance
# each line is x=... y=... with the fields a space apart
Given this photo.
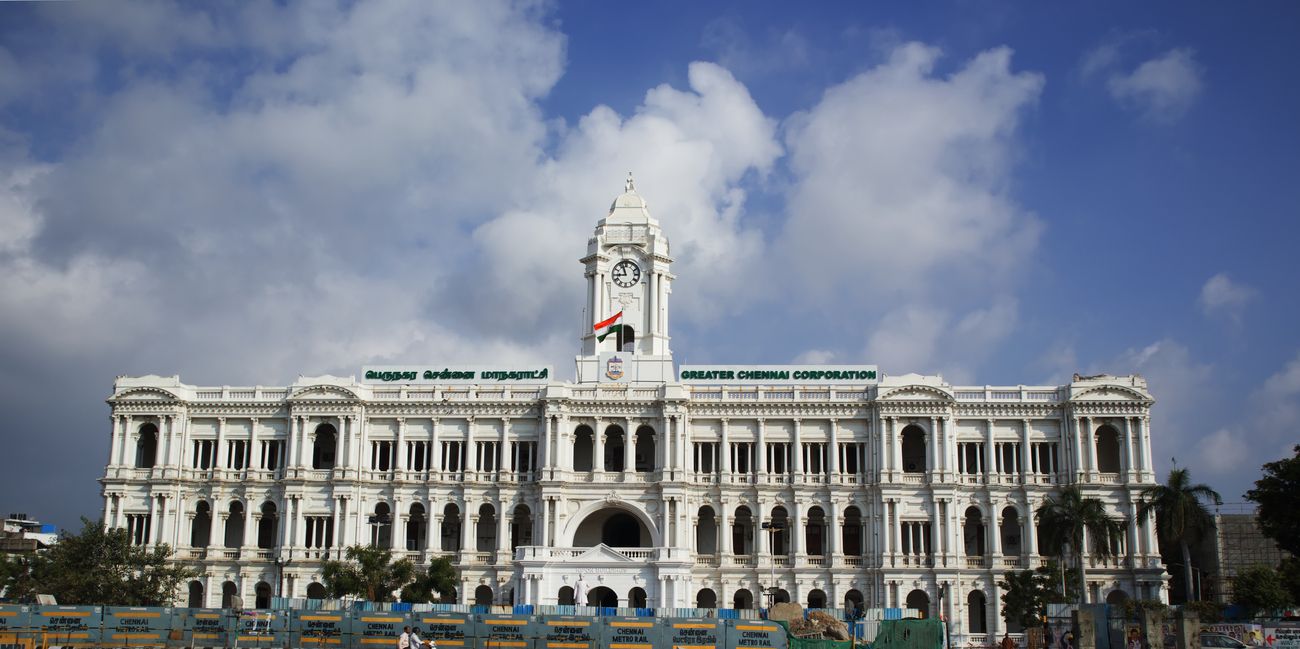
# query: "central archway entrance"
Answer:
x=614 y=527
x=602 y=596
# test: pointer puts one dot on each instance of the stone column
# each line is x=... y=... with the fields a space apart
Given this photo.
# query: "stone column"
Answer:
x=503 y=536
x=990 y=454
x=108 y=511
x=796 y=450
x=897 y=540
x=115 y=442
x=995 y=536
x=760 y=452
x=835 y=532
x=796 y=530
x=629 y=448
x=724 y=451
x=1030 y=536
x=725 y=544
x=291 y=448
x=895 y=447
x=1089 y=438
x=762 y=546
x=833 y=452
x=598 y=448
x=1129 y=474
x=468 y=532
x=219 y=455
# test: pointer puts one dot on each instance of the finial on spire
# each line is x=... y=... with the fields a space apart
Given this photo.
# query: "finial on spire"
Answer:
x=629 y=186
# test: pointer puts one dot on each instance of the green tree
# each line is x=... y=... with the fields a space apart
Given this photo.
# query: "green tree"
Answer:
x=1066 y=516
x=1051 y=573
x=1259 y=589
x=439 y=580
x=1025 y=596
x=97 y=567
x=1278 y=495
x=1290 y=573
x=1181 y=515
x=367 y=572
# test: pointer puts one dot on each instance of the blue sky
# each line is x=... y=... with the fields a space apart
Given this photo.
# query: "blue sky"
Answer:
x=1003 y=193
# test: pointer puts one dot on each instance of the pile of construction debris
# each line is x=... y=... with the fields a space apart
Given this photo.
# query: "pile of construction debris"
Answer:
x=816 y=625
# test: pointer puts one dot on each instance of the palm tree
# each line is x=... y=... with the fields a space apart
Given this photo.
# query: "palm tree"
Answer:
x=1181 y=514
x=1065 y=516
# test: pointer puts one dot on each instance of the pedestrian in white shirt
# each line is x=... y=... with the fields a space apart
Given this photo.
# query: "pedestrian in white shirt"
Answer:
x=404 y=640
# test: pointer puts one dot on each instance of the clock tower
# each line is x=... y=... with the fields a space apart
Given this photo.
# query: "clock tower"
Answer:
x=628 y=284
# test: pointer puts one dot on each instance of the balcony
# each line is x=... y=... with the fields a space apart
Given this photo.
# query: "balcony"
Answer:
x=743 y=561
x=1011 y=563
x=976 y=562
x=706 y=561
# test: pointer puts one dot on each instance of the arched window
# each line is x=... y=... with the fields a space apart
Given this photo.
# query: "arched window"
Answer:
x=913 y=451
x=603 y=597
x=1010 y=531
x=742 y=532
x=229 y=591
x=584 y=445
x=201 y=528
x=743 y=600
x=486 y=533
x=195 y=599
x=815 y=533
x=315 y=590
x=450 y=528
x=853 y=601
x=816 y=598
x=483 y=595
x=645 y=450
x=636 y=597
x=706 y=598
x=565 y=596
x=919 y=600
x=522 y=534
x=614 y=448
x=780 y=596
x=976 y=616
x=852 y=542
x=416 y=526
x=324 y=448
x=381 y=526
x=146 y=447
x=627 y=339
x=263 y=594
x=1108 y=450
x=779 y=529
x=706 y=532
x=235 y=525
x=267 y=527
x=973 y=532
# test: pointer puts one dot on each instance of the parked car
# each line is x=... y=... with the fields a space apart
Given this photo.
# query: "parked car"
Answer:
x=1221 y=641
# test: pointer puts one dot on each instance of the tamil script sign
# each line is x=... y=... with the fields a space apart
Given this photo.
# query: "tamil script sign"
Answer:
x=778 y=374
x=458 y=375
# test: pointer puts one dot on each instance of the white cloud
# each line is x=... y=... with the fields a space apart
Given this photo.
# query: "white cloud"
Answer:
x=1222 y=296
x=1183 y=389
x=1162 y=88
x=922 y=339
x=1224 y=452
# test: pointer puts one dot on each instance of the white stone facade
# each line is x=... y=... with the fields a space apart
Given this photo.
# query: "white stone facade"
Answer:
x=895 y=491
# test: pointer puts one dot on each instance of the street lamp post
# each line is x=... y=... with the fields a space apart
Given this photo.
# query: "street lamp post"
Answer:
x=772 y=527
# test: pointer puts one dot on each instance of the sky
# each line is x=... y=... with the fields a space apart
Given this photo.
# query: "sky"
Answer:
x=1002 y=193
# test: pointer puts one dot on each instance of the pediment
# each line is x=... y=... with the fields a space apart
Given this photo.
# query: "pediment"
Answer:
x=1110 y=393
x=601 y=554
x=324 y=392
x=916 y=393
x=145 y=394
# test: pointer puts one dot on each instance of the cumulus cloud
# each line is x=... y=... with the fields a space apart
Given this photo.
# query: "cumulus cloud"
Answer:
x=1223 y=452
x=1222 y=296
x=898 y=212
x=1162 y=88
x=1183 y=389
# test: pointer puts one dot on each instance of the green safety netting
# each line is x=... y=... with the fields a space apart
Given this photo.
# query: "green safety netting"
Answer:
x=909 y=634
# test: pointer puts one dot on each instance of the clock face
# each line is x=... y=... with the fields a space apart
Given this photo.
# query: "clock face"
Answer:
x=626 y=273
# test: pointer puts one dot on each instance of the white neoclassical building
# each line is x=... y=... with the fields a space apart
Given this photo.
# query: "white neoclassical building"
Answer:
x=653 y=484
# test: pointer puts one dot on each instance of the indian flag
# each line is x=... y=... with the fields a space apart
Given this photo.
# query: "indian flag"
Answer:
x=607 y=327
